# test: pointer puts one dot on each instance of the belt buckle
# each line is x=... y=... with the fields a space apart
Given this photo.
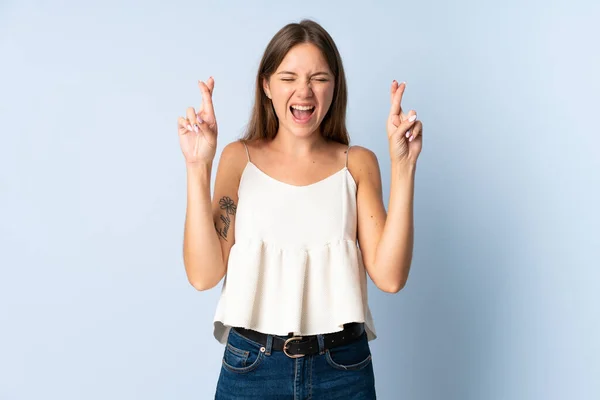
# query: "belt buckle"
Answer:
x=285 y=347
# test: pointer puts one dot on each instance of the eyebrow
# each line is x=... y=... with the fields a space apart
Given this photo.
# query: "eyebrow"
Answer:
x=293 y=73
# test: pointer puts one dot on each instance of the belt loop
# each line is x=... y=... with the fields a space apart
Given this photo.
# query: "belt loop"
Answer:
x=321 y=340
x=269 y=345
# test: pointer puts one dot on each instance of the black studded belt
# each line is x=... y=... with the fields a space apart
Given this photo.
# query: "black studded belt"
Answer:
x=298 y=346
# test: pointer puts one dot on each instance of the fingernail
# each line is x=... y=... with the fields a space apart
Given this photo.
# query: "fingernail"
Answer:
x=407 y=134
x=189 y=128
x=196 y=128
x=411 y=139
x=404 y=82
x=411 y=119
x=199 y=119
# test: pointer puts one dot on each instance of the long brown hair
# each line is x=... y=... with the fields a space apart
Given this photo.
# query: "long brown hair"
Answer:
x=263 y=122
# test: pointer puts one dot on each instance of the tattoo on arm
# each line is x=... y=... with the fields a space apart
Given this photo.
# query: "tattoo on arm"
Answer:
x=229 y=208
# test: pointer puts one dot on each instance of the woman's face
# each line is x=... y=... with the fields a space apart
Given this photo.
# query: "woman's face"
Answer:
x=301 y=90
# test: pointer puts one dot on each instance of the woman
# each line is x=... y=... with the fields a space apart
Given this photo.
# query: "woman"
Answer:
x=290 y=203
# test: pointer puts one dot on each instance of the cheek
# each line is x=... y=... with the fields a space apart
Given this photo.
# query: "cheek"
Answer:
x=281 y=98
x=283 y=92
x=326 y=96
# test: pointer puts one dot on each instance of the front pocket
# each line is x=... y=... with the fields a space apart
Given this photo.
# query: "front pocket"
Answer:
x=350 y=357
x=240 y=360
x=348 y=367
x=235 y=352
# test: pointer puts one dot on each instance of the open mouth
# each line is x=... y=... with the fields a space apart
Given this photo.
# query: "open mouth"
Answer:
x=302 y=114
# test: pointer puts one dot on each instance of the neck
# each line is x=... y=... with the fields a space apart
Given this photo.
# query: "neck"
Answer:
x=294 y=146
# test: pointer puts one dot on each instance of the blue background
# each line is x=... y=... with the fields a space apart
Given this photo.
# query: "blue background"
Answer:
x=503 y=297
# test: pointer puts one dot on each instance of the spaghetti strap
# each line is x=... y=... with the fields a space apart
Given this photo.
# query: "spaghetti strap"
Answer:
x=347 y=151
x=247 y=153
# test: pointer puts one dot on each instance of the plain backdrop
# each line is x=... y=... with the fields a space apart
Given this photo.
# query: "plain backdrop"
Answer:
x=503 y=296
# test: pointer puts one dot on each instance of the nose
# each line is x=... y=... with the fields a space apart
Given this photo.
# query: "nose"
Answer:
x=304 y=88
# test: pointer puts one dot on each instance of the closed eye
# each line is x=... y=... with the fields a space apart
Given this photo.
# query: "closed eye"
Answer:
x=320 y=80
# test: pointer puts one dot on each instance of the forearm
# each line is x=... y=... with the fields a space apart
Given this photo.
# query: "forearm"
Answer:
x=202 y=252
x=395 y=247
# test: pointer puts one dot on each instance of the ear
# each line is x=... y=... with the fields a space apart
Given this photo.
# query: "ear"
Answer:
x=266 y=87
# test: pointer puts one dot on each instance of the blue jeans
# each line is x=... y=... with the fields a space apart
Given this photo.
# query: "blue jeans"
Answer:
x=253 y=371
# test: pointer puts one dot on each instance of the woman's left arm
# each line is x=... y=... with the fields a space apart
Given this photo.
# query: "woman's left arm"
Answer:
x=386 y=239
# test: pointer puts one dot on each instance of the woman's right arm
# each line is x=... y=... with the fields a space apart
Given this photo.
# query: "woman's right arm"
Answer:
x=209 y=226
x=208 y=232
x=201 y=250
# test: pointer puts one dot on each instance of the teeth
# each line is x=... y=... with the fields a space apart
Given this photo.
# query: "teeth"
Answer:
x=303 y=108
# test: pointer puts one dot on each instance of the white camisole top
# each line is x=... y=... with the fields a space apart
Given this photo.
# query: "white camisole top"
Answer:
x=295 y=266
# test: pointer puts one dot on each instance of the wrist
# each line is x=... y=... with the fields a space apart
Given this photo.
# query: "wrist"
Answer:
x=199 y=169
x=404 y=167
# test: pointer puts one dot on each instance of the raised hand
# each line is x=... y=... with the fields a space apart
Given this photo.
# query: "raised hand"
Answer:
x=198 y=131
x=404 y=130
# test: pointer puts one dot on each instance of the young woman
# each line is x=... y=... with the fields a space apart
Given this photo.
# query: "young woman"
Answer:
x=291 y=201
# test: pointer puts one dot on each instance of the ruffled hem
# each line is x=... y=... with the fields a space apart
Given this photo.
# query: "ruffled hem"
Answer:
x=279 y=290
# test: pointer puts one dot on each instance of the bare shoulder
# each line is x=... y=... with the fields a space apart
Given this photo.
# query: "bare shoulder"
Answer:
x=234 y=150
x=362 y=154
x=254 y=143
x=364 y=165
x=233 y=158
